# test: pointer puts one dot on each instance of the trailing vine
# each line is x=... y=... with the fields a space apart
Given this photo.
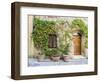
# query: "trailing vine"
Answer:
x=42 y=29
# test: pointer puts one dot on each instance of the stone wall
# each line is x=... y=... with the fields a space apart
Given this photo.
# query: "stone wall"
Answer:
x=64 y=27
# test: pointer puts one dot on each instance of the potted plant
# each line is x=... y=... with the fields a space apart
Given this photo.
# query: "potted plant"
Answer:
x=55 y=56
x=41 y=56
x=65 y=52
x=52 y=53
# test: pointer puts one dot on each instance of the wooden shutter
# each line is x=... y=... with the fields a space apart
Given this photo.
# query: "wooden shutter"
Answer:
x=52 y=43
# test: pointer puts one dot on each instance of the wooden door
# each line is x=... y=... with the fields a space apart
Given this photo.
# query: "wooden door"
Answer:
x=77 y=44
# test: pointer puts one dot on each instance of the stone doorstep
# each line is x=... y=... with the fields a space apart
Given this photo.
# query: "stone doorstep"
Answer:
x=78 y=57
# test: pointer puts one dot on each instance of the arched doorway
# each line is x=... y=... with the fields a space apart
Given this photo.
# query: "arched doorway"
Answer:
x=77 y=42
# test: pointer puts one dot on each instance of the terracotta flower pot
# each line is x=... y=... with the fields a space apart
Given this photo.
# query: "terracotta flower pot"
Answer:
x=65 y=57
x=55 y=58
x=41 y=58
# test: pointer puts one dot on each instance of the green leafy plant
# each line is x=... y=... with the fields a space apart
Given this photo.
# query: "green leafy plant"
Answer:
x=42 y=29
x=55 y=52
x=64 y=49
x=47 y=51
x=52 y=52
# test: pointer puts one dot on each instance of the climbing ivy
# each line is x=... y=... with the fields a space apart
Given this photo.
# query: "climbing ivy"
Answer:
x=41 y=31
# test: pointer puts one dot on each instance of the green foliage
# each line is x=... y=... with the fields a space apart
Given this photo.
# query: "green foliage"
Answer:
x=78 y=23
x=67 y=36
x=64 y=46
x=52 y=52
x=64 y=49
x=42 y=29
x=47 y=51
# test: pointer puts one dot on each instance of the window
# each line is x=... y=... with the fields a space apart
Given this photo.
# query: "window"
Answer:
x=52 y=43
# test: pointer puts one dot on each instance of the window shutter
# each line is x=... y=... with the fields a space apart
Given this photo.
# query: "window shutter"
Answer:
x=52 y=41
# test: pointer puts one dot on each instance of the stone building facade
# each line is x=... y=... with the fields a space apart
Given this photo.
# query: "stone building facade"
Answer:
x=77 y=38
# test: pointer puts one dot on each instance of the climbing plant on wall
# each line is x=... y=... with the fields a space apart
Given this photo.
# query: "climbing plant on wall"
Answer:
x=79 y=23
x=41 y=31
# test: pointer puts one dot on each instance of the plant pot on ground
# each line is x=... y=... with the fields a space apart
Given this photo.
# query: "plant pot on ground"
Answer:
x=55 y=56
x=66 y=57
x=41 y=56
x=52 y=53
x=65 y=52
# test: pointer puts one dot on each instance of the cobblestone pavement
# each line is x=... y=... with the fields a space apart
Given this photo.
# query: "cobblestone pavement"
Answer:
x=48 y=62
